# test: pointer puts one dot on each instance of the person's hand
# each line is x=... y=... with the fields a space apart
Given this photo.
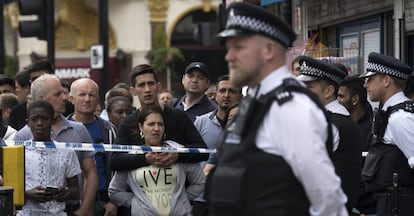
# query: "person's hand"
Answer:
x=63 y=195
x=208 y=168
x=150 y=157
x=39 y=194
x=165 y=159
x=110 y=209
x=161 y=159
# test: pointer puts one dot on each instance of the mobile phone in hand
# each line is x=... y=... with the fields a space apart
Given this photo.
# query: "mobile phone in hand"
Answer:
x=53 y=190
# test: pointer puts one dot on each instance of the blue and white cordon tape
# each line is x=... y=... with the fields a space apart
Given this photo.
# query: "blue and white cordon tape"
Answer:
x=99 y=147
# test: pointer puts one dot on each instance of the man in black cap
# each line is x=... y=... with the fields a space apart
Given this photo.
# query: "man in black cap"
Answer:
x=388 y=169
x=273 y=157
x=323 y=79
x=195 y=81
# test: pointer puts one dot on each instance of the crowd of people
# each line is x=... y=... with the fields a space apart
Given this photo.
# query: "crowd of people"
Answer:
x=304 y=141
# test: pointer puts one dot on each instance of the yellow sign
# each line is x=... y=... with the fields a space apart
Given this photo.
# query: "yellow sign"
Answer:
x=13 y=172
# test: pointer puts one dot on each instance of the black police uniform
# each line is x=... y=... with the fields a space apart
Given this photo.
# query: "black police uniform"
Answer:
x=347 y=157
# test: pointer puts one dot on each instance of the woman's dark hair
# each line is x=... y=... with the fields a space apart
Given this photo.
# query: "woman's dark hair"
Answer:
x=114 y=100
x=143 y=114
x=114 y=92
x=147 y=110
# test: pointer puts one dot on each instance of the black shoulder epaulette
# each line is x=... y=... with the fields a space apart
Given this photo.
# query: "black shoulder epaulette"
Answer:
x=283 y=94
x=407 y=106
x=381 y=119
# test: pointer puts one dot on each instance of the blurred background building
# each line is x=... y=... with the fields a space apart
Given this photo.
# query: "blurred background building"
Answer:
x=171 y=33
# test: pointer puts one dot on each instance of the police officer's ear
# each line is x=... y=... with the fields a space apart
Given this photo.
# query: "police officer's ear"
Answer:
x=271 y=49
x=329 y=91
x=387 y=80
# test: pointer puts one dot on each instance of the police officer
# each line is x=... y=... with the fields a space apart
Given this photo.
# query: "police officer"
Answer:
x=388 y=169
x=323 y=79
x=273 y=157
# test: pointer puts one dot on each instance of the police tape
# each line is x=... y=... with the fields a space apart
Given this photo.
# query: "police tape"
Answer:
x=99 y=147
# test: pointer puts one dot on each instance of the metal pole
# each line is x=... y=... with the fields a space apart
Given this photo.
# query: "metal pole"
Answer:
x=103 y=40
x=398 y=17
x=50 y=22
x=2 y=49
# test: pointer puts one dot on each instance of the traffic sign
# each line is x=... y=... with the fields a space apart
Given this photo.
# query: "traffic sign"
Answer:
x=96 y=56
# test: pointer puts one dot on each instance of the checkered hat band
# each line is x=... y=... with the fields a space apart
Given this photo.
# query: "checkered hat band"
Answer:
x=374 y=67
x=311 y=71
x=255 y=25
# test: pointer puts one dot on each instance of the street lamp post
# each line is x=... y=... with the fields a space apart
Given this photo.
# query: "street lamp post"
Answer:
x=2 y=49
x=103 y=40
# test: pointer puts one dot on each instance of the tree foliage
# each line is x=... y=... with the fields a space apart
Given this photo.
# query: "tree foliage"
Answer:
x=162 y=57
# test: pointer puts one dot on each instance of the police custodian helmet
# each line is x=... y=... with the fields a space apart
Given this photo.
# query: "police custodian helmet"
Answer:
x=247 y=19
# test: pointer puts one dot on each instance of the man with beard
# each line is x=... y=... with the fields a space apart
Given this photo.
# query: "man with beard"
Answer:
x=210 y=126
x=195 y=81
x=273 y=157
x=353 y=96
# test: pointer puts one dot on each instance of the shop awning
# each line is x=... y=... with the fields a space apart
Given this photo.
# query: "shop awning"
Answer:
x=268 y=2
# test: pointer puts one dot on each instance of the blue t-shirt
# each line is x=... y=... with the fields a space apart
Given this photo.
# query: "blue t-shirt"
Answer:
x=97 y=137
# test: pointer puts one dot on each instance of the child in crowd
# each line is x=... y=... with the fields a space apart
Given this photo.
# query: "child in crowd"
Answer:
x=50 y=174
